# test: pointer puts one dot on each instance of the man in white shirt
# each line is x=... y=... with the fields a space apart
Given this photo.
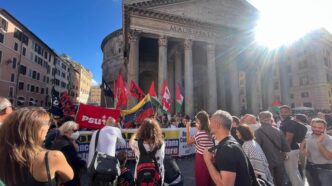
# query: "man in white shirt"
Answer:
x=319 y=152
x=5 y=109
x=109 y=136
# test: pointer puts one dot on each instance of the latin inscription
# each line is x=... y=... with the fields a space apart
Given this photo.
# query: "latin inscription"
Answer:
x=194 y=32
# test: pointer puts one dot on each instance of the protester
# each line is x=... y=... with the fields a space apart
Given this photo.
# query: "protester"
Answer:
x=229 y=166
x=109 y=137
x=235 y=124
x=174 y=124
x=251 y=121
x=202 y=139
x=5 y=109
x=67 y=144
x=319 y=152
x=126 y=177
x=288 y=126
x=254 y=152
x=150 y=136
x=23 y=160
x=274 y=146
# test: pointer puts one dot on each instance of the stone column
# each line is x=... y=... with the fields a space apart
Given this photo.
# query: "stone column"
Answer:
x=178 y=68
x=188 y=77
x=162 y=65
x=254 y=91
x=234 y=85
x=133 y=65
x=212 y=79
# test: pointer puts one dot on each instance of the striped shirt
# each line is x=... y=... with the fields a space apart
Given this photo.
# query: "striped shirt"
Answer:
x=202 y=140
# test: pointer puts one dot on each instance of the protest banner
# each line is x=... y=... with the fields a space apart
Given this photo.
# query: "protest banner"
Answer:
x=175 y=140
x=93 y=117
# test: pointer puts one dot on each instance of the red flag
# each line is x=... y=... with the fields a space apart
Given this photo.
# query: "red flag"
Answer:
x=136 y=91
x=165 y=97
x=93 y=117
x=121 y=94
x=152 y=90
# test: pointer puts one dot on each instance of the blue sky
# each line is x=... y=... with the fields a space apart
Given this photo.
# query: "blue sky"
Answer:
x=74 y=27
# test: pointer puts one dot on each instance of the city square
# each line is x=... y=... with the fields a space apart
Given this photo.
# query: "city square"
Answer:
x=178 y=86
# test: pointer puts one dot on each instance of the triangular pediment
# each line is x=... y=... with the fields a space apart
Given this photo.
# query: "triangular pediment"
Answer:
x=230 y=13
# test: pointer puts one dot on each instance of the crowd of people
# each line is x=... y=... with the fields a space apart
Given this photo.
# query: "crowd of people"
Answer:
x=37 y=149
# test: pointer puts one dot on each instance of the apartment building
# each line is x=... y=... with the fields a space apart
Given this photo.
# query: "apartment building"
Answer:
x=25 y=64
x=95 y=96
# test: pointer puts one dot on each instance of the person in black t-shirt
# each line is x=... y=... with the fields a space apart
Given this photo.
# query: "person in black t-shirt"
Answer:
x=288 y=127
x=230 y=166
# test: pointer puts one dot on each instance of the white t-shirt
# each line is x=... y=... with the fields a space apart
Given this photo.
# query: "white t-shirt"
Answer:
x=108 y=137
x=160 y=155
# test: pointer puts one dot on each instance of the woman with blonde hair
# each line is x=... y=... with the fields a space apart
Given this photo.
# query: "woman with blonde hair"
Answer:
x=202 y=139
x=23 y=160
x=148 y=140
x=67 y=144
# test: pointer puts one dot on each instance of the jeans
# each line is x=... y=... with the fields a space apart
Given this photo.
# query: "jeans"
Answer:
x=291 y=166
x=320 y=175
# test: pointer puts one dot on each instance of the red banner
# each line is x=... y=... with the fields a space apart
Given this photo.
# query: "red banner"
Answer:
x=93 y=117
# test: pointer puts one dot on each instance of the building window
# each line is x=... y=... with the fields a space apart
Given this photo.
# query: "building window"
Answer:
x=28 y=87
x=24 y=50
x=14 y=63
x=38 y=76
x=2 y=38
x=12 y=78
x=42 y=90
x=34 y=75
x=46 y=90
x=23 y=70
x=3 y=24
x=15 y=46
x=21 y=85
x=11 y=92
x=305 y=94
x=31 y=102
x=37 y=89
x=32 y=88
x=307 y=104
x=291 y=96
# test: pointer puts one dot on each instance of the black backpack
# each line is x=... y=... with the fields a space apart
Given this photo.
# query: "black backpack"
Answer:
x=301 y=131
x=172 y=170
x=147 y=171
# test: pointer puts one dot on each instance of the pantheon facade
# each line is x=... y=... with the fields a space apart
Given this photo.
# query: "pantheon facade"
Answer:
x=204 y=45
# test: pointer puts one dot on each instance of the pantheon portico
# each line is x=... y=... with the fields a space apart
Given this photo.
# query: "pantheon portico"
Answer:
x=196 y=43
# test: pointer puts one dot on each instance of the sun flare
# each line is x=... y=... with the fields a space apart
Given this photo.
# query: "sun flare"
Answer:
x=282 y=22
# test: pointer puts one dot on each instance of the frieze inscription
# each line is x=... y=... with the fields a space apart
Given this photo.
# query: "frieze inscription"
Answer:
x=193 y=32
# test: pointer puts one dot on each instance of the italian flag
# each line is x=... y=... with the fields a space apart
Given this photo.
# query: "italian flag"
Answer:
x=179 y=99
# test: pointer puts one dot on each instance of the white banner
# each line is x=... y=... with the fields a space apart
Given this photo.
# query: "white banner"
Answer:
x=175 y=140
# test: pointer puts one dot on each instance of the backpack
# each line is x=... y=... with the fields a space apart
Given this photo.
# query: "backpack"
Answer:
x=172 y=170
x=147 y=173
x=301 y=131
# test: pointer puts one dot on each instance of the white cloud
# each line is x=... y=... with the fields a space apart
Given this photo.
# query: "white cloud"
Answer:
x=95 y=83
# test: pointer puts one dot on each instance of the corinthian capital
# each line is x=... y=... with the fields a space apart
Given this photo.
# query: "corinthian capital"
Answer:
x=133 y=35
x=162 y=41
x=188 y=43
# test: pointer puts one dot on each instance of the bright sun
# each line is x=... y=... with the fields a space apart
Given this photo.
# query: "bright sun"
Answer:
x=282 y=22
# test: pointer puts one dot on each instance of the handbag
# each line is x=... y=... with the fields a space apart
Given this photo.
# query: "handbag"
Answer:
x=103 y=167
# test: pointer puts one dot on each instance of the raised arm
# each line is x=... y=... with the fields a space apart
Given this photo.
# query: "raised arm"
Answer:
x=190 y=140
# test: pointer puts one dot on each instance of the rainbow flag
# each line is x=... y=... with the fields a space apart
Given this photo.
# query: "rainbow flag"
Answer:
x=138 y=113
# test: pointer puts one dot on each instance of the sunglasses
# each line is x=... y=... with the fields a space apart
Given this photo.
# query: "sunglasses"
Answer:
x=75 y=130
